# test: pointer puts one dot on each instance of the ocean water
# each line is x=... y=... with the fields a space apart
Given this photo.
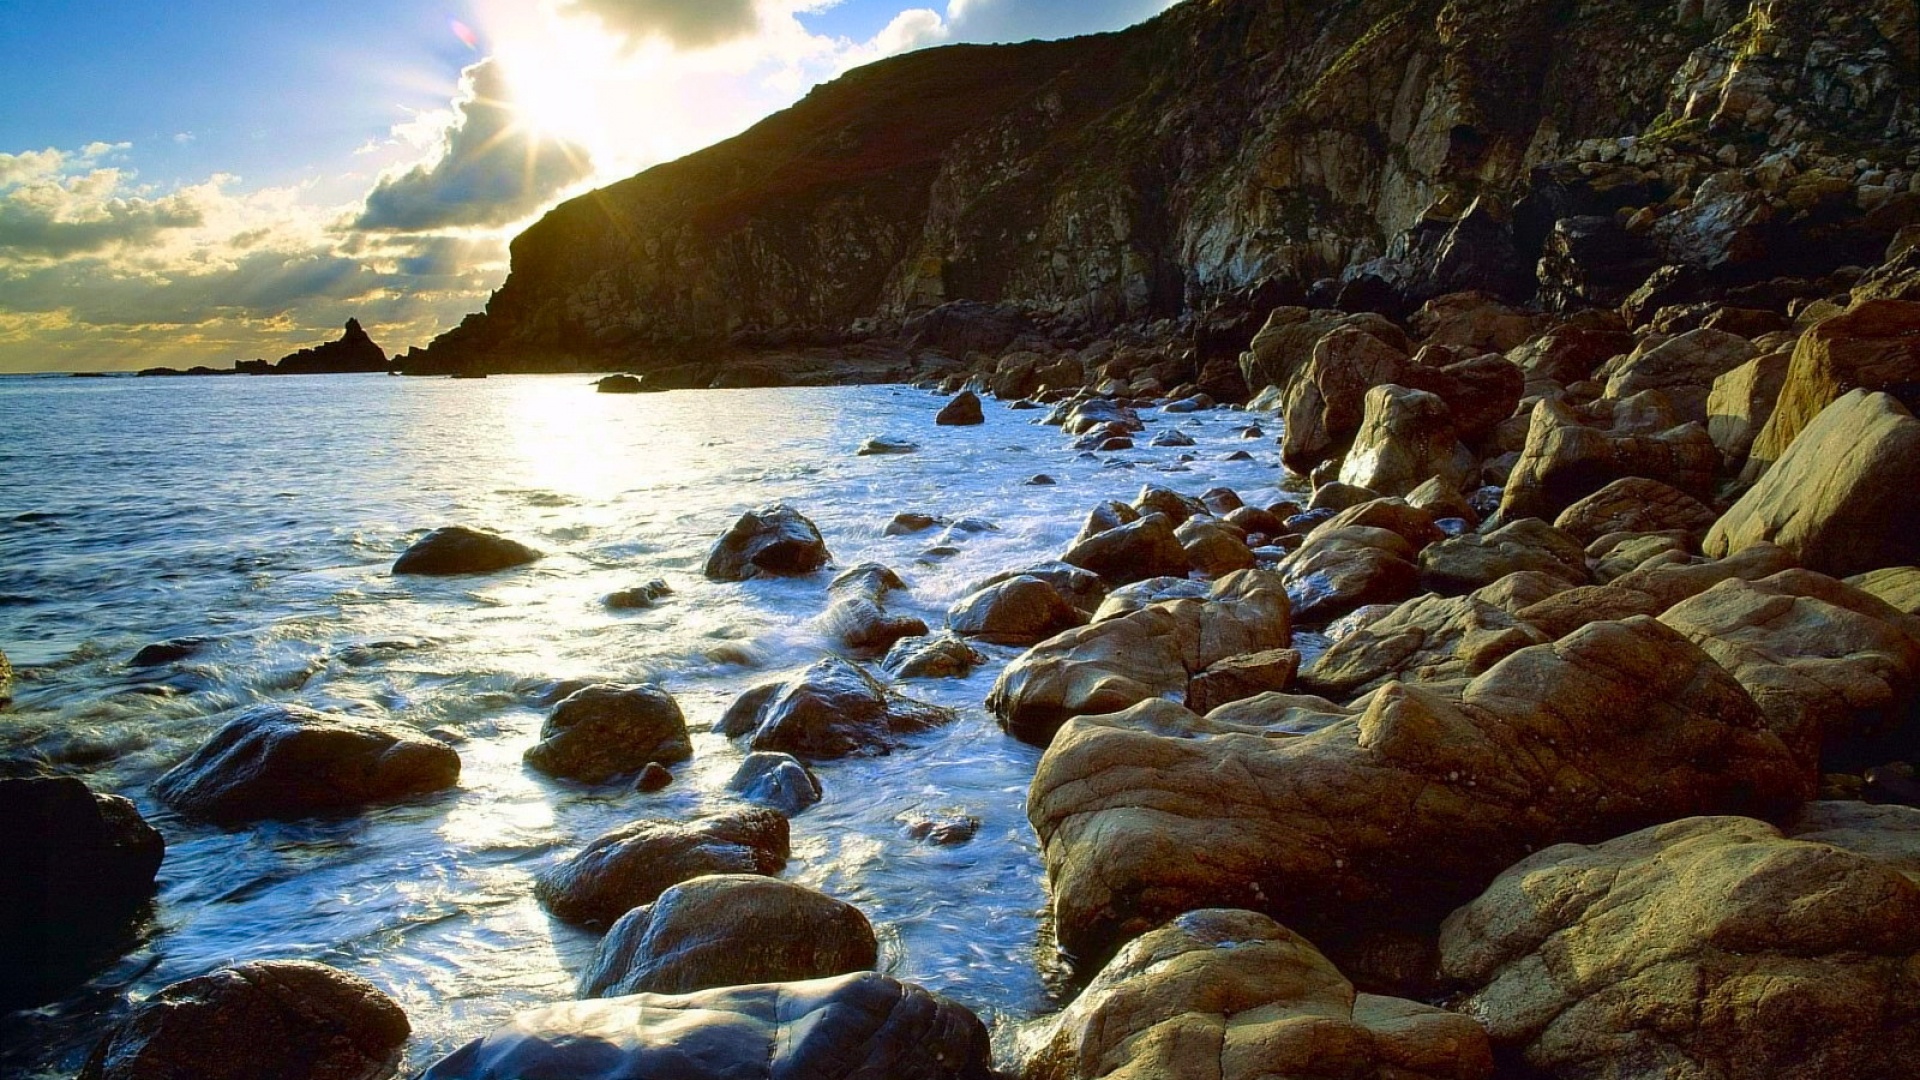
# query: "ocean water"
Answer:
x=261 y=515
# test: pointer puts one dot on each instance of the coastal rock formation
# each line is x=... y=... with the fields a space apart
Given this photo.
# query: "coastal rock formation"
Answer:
x=776 y=540
x=272 y=1020
x=1250 y=999
x=844 y=1028
x=354 y=353
x=600 y=732
x=1569 y=457
x=1022 y=610
x=962 y=411
x=457 y=549
x=1133 y=550
x=833 y=709
x=1705 y=947
x=286 y=761
x=1392 y=817
x=632 y=865
x=1405 y=439
x=76 y=871
x=1636 y=505
x=729 y=930
x=779 y=781
x=1872 y=346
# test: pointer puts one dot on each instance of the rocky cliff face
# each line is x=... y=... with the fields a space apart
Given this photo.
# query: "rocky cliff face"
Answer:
x=1403 y=148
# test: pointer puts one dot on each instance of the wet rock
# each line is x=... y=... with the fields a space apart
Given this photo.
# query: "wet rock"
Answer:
x=1634 y=504
x=1566 y=460
x=776 y=540
x=1177 y=508
x=860 y=1025
x=1742 y=401
x=729 y=930
x=1431 y=639
x=1239 y=677
x=1326 y=400
x=1835 y=670
x=1253 y=1000
x=76 y=871
x=938 y=657
x=636 y=599
x=1082 y=588
x=942 y=830
x=619 y=384
x=1465 y=563
x=1338 y=570
x=271 y=1020
x=654 y=777
x=1335 y=497
x=1406 y=438
x=1125 y=553
x=780 y=781
x=1128 y=599
x=1041 y=480
x=632 y=865
x=886 y=447
x=963 y=411
x=1394 y=817
x=831 y=710
x=1683 y=368
x=857 y=618
x=1213 y=547
x=602 y=732
x=285 y=761
x=167 y=652
x=1150 y=653
x=1841 y=498
x=1019 y=611
x=906 y=524
x=1874 y=346
x=6 y=679
x=1704 y=947
x=457 y=549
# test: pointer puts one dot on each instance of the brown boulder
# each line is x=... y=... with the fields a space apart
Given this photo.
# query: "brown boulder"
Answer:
x=1339 y=570
x=1019 y=611
x=1683 y=368
x=1144 y=548
x=1406 y=438
x=1872 y=346
x=1566 y=460
x=632 y=865
x=1634 y=504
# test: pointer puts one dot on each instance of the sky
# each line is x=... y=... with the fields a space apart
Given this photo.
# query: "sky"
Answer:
x=201 y=182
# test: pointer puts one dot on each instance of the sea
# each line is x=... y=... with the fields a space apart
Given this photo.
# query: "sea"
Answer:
x=256 y=519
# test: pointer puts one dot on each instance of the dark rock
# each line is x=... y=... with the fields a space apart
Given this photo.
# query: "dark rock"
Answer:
x=883 y=447
x=832 y=709
x=962 y=411
x=167 y=652
x=655 y=777
x=854 y=1026
x=285 y=761
x=457 y=549
x=1041 y=480
x=645 y=596
x=76 y=871
x=354 y=353
x=729 y=930
x=602 y=732
x=1019 y=611
x=632 y=865
x=944 y=830
x=779 y=781
x=965 y=326
x=619 y=384
x=906 y=524
x=1143 y=548
x=776 y=540
x=272 y=1020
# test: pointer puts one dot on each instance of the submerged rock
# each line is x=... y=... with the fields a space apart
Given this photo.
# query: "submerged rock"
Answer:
x=271 y=1020
x=457 y=549
x=632 y=865
x=832 y=709
x=729 y=930
x=776 y=540
x=780 y=781
x=285 y=761
x=619 y=384
x=635 y=599
x=849 y=1027
x=601 y=732
x=76 y=872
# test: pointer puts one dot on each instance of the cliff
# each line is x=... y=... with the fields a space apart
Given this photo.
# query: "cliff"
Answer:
x=1389 y=149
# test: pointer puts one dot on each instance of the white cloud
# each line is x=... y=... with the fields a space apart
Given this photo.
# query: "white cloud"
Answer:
x=54 y=204
x=493 y=168
x=685 y=23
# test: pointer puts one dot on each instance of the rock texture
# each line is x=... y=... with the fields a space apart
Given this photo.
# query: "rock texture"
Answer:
x=632 y=865
x=285 y=761
x=846 y=1028
x=600 y=732
x=832 y=709
x=776 y=540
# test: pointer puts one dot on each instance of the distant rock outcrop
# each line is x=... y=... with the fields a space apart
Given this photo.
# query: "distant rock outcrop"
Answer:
x=354 y=352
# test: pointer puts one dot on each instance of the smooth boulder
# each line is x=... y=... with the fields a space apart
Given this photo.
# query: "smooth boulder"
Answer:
x=963 y=411
x=833 y=709
x=1021 y=610
x=286 y=761
x=1568 y=457
x=776 y=540
x=780 y=781
x=1145 y=547
x=1634 y=504
x=1406 y=438
x=457 y=549
x=729 y=930
x=632 y=865
x=600 y=732
x=1872 y=346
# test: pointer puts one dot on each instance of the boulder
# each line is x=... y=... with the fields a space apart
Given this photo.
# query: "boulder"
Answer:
x=1566 y=460
x=831 y=710
x=1742 y=401
x=1128 y=599
x=1154 y=499
x=1239 y=677
x=878 y=447
x=1082 y=588
x=857 y=619
x=1683 y=368
x=1139 y=549
x=1646 y=590
x=1284 y=346
x=1392 y=818
x=1841 y=498
x=1899 y=586
x=1338 y=570
x=619 y=384
x=1465 y=563
x=775 y=540
x=1233 y=995
x=639 y=597
x=1213 y=547
x=632 y=865
x=1151 y=653
x=76 y=872
x=1431 y=639
x=1873 y=346
x=271 y=1020
x=779 y=781
x=601 y=732
x=1326 y=399
x=1480 y=391
x=1835 y=671
x=1570 y=354
x=1406 y=437
x=1018 y=611
x=963 y=411
x=457 y=549
x=729 y=930
x=1712 y=946
x=939 y=657
x=285 y=761
x=1634 y=504
x=849 y=1027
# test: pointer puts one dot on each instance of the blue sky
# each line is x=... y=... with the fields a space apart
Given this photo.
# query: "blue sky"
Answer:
x=199 y=182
